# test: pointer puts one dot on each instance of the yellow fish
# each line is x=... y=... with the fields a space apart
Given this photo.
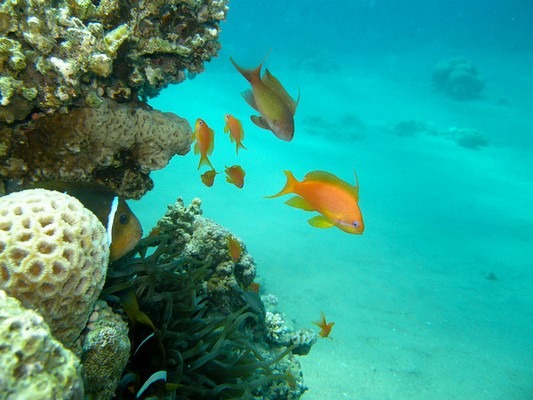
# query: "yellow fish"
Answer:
x=235 y=175
x=205 y=142
x=236 y=133
x=275 y=106
x=333 y=198
x=234 y=248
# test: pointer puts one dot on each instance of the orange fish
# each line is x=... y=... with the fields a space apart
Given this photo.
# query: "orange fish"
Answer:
x=325 y=327
x=333 y=198
x=234 y=248
x=275 y=106
x=236 y=133
x=208 y=177
x=235 y=175
x=254 y=287
x=205 y=142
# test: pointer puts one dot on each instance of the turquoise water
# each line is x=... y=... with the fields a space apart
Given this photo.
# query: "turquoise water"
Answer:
x=435 y=299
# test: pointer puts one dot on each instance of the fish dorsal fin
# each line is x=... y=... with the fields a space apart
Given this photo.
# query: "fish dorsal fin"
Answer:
x=320 y=222
x=299 y=202
x=260 y=121
x=331 y=179
x=273 y=84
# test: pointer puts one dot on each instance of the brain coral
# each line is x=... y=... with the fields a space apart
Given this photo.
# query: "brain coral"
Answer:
x=118 y=144
x=33 y=365
x=53 y=257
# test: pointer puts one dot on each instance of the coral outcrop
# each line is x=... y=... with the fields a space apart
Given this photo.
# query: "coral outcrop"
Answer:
x=53 y=257
x=115 y=144
x=464 y=137
x=458 y=78
x=75 y=52
x=212 y=326
x=197 y=237
x=76 y=73
x=105 y=352
x=34 y=365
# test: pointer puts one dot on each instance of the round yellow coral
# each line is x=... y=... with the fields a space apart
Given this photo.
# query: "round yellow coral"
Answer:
x=53 y=257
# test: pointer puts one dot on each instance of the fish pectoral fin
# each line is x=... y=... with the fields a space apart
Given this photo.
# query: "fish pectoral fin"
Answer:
x=320 y=222
x=248 y=96
x=299 y=202
x=260 y=122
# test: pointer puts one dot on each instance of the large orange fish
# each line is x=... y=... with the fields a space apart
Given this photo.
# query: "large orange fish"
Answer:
x=236 y=133
x=275 y=106
x=333 y=198
x=205 y=142
x=235 y=174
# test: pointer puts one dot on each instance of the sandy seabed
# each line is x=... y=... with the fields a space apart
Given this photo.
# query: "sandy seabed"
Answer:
x=435 y=299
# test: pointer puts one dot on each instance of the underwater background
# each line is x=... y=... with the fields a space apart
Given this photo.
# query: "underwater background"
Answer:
x=435 y=299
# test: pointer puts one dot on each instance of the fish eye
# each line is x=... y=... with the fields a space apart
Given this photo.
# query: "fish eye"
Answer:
x=123 y=218
x=355 y=224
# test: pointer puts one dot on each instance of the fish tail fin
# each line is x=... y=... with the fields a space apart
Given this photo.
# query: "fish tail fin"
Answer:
x=251 y=75
x=289 y=185
x=238 y=146
x=205 y=161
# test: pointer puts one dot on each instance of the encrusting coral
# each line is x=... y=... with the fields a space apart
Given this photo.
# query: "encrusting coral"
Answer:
x=105 y=352
x=33 y=364
x=53 y=257
x=76 y=52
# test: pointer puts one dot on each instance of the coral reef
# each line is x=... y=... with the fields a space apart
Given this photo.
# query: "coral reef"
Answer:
x=196 y=237
x=34 y=365
x=74 y=79
x=213 y=330
x=75 y=52
x=116 y=144
x=53 y=257
x=105 y=352
x=458 y=78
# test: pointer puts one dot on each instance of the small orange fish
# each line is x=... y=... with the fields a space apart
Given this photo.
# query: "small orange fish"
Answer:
x=235 y=175
x=208 y=177
x=236 y=133
x=234 y=248
x=205 y=142
x=254 y=287
x=325 y=327
x=334 y=199
x=275 y=106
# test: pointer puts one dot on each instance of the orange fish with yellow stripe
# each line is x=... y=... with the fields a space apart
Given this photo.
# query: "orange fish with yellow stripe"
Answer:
x=335 y=199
